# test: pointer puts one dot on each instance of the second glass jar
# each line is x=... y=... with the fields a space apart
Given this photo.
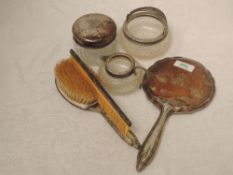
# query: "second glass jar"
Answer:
x=144 y=33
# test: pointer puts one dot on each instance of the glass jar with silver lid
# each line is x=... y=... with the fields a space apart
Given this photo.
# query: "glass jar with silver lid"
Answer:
x=145 y=33
x=121 y=74
x=94 y=36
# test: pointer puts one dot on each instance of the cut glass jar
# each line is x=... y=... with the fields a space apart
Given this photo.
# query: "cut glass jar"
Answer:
x=144 y=33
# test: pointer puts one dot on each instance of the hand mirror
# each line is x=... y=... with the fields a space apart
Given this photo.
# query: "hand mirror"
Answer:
x=176 y=85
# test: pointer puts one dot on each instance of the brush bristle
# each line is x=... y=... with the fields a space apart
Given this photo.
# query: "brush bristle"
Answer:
x=72 y=83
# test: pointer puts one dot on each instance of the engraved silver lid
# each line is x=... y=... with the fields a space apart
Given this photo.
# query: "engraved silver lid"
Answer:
x=94 y=30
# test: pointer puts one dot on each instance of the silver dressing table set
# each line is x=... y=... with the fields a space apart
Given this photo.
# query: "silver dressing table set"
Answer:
x=144 y=35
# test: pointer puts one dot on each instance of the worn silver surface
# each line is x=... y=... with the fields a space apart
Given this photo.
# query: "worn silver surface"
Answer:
x=94 y=30
x=172 y=104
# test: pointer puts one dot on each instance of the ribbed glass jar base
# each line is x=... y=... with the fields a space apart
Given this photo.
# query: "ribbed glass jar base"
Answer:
x=144 y=51
x=94 y=56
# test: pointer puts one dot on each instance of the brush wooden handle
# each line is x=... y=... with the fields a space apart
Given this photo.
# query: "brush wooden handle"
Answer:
x=112 y=110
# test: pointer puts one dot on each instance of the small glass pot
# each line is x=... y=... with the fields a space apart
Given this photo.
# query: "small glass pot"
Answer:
x=121 y=74
x=145 y=33
x=94 y=36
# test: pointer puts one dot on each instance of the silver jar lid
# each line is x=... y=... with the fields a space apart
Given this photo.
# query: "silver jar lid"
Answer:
x=94 y=30
x=153 y=12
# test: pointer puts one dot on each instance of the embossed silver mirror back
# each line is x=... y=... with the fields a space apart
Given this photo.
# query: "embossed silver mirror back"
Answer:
x=185 y=91
x=94 y=30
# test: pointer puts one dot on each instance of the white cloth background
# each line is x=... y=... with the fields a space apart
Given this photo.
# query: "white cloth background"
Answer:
x=42 y=134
